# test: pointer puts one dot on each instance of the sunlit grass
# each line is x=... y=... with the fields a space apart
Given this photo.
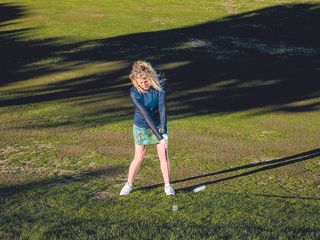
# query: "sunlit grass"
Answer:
x=74 y=70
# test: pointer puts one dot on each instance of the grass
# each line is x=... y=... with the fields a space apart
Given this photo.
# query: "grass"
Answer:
x=243 y=119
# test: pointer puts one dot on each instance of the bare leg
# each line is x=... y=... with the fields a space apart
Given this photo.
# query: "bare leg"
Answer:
x=139 y=153
x=164 y=162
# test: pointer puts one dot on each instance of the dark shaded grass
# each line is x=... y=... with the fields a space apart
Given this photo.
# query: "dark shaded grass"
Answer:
x=108 y=172
x=196 y=219
x=177 y=230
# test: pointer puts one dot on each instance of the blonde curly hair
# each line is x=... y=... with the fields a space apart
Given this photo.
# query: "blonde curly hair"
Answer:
x=143 y=70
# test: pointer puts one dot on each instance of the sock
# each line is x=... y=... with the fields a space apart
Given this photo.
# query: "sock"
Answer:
x=129 y=184
x=167 y=185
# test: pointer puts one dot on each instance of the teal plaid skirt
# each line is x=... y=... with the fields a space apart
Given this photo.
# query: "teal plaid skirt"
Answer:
x=144 y=136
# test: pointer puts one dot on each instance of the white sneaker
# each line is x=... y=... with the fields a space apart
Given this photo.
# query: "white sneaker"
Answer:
x=169 y=190
x=126 y=189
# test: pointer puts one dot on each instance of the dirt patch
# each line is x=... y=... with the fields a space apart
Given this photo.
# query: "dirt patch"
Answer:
x=74 y=150
x=105 y=195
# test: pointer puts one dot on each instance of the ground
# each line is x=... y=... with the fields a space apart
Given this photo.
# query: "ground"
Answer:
x=243 y=109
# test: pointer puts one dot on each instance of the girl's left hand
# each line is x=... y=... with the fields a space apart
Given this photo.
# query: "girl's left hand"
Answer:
x=165 y=136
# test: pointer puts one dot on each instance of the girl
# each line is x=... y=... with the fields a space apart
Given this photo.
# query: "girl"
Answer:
x=150 y=122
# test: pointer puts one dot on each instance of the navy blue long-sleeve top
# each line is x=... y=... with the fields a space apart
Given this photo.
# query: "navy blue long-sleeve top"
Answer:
x=150 y=110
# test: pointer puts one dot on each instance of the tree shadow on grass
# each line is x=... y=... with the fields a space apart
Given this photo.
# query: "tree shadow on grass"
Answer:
x=105 y=172
x=264 y=59
x=71 y=227
x=257 y=167
x=146 y=229
x=11 y=11
x=18 y=53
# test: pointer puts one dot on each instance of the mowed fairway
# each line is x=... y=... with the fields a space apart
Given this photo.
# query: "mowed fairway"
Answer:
x=243 y=108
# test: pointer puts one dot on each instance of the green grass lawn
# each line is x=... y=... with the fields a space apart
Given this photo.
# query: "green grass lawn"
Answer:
x=243 y=109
